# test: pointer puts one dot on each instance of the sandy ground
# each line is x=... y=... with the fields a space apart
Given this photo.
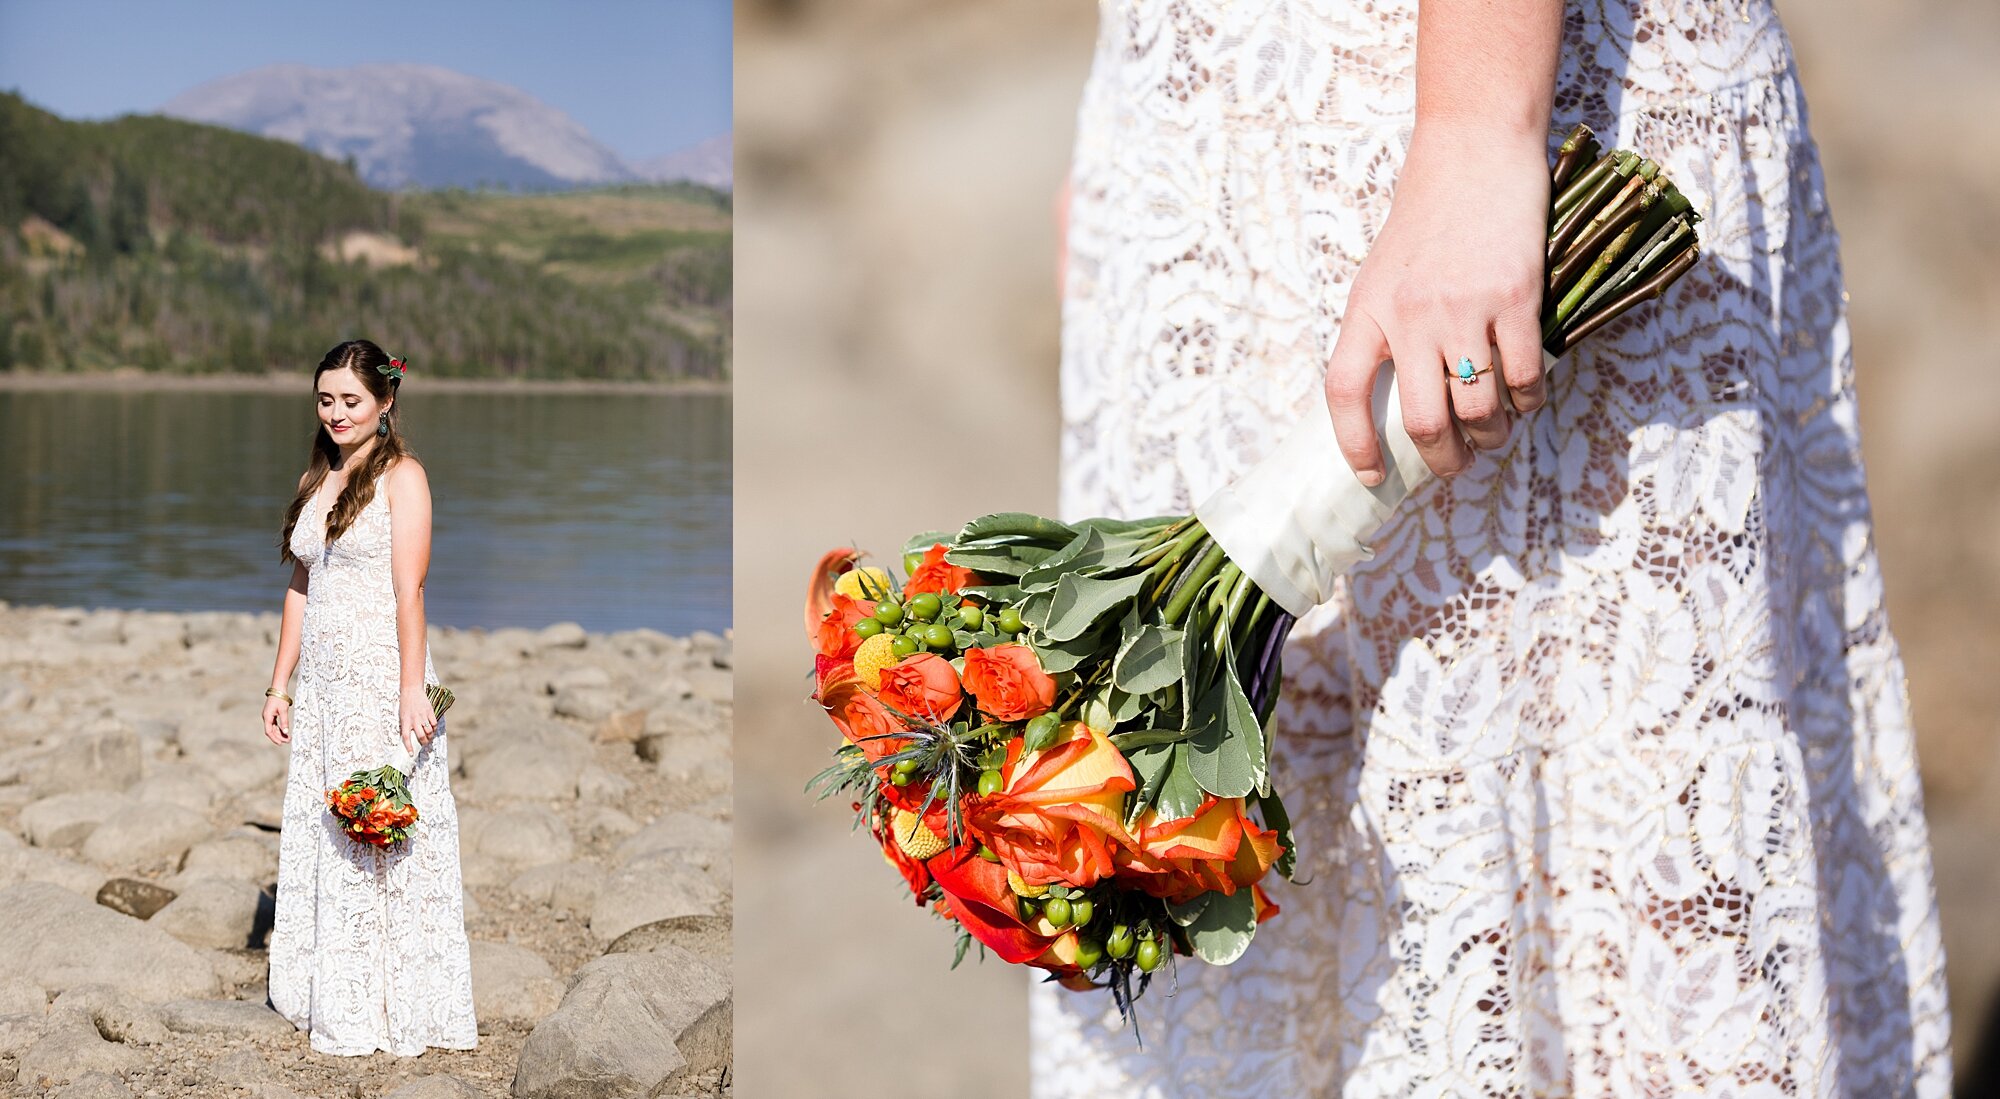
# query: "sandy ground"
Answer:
x=896 y=171
x=606 y=734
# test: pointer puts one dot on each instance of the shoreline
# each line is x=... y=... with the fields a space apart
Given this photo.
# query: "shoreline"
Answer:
x=139 y=381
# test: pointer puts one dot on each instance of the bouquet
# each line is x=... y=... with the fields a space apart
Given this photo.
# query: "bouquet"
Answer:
x=374 y=806
x=1058 y=732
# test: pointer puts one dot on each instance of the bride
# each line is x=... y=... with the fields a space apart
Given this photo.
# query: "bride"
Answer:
x=368 y=951
x=1601 y=769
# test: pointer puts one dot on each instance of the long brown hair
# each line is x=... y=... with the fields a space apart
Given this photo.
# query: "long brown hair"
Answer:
x=364 y=358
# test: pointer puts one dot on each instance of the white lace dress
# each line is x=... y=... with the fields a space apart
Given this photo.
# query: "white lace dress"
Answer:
x=1602 y=767
x=368 y=951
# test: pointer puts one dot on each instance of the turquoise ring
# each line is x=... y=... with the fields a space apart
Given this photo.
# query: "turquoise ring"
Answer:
x=1465 y=373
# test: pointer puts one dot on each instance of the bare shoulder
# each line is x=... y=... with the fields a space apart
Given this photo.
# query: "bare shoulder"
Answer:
x=405 y=478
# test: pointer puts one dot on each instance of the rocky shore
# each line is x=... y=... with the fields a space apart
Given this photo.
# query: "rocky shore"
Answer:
x=139 y=814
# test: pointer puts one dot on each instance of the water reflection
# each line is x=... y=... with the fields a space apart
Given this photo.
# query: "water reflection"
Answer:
x=610 y=509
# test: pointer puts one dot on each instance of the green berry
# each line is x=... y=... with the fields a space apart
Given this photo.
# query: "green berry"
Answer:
x=1041 y=732
x=1148 y=955
x=990 y=783
x=888 y=612
x=906 y=766
x=867 y=628
x=925 y=606
x=912 y=560
x=970 y=616
x=986 y=853
x=903 y=646
x=1088 y=953
x=899 y=778
x=1057 y=910
x=1010 y=621
x=937 y=635
x=1120 y=942
x=1080 y=911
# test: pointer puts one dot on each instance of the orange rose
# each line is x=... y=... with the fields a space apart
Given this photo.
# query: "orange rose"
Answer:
x=1009 y=682
x=834 y=636
x=923 y=686
x=1057 y=816
x=862 y=719
x=978 y=897
x=1219 y=849
x=934 y=575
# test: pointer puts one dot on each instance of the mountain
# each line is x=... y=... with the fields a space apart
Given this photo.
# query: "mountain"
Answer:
x=409 y=124
x=711 y=163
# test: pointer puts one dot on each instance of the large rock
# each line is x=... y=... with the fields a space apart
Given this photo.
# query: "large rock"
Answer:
x=135 y=897
x=218 y=913
x=706 y=937
x=65 y=820
x=537 y=770
x=562 y=635
x=243 y=857
x=239 y=764
x=605 y=1040
x=58 y=939
x=236 y=1018
x=21 y=996
x=146 y=833
x=176 y=784
x=705 y=840
x=512 y=985
x=69 y=1049
x=570 y=887
x=655 y=887
x=497 y=845
x=104 y=756
x=118 y=1017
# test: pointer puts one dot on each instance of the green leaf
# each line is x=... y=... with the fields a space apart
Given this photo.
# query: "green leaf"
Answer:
x=1063 y=656
x=1091 y=554
x=1222 y=930
x=1180 y=795
x=964 y=944
x=1081 y=602
x=1187 y=912
x=922 y=542
x=1035 y=608
x=1279 y=821
x=1221 y=756
x=1149 y=765
x=992 y=593
x=1154 y=660
x=1125 y=706
x=1019 y=525
x=1096 y=712
x=1146 y=738
x=997 y=560
x=1144 y=528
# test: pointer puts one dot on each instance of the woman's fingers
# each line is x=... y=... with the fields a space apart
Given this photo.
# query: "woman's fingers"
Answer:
x=1350 y=393
x=1476 y=403
x=1427 y=416
x=1518 y=335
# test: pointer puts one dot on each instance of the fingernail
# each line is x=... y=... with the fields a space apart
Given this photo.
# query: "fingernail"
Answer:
x=1371 y=477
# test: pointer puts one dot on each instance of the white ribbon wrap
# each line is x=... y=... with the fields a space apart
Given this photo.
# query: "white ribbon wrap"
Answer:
x=1301 y=517
x=400 y=758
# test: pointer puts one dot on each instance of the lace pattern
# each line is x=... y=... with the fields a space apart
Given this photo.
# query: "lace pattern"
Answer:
x=1602 y=769
x=368 y=949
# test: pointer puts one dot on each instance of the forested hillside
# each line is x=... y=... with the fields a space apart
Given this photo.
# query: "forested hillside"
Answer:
x=172 y=246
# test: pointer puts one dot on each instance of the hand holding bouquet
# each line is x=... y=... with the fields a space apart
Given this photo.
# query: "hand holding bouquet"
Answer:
x=1057 y=732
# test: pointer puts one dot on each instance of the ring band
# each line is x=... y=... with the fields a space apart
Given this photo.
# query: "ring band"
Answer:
x=1465 y=373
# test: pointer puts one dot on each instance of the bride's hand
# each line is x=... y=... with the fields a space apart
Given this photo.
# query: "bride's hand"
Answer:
x=277 y=720
x=417 y=721
x=1457 y=267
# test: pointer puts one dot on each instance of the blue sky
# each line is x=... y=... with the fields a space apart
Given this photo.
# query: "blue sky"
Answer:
x=645 y=77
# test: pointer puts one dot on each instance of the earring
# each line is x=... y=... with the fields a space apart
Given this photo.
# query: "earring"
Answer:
x=382 y=427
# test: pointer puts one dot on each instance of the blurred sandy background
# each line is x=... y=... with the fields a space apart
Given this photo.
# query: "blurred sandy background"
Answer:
x=896 y=166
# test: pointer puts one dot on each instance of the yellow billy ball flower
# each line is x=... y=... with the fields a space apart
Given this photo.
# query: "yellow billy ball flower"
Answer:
x=914 y=836
x=1023 y=889
x=867 y=582
x=875 y=654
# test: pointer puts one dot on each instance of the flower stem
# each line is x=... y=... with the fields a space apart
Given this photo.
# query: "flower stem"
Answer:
x=1651 y=288
x=1191 y=583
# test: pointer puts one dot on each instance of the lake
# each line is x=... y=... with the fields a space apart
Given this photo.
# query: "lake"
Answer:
x=606 y=509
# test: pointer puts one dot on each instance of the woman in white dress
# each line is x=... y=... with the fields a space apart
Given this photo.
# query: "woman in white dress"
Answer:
x=368 y=950
x=1601 y=768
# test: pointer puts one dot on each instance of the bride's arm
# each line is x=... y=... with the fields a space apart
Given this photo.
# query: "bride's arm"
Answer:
x=1458 y=263
x=277 y=711
x=409 y=561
